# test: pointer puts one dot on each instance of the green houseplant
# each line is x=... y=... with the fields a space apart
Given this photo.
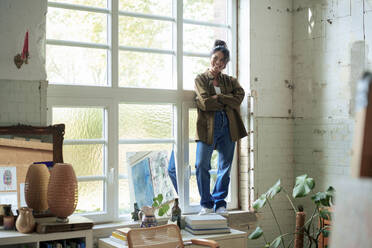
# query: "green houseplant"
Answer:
x=310 y=228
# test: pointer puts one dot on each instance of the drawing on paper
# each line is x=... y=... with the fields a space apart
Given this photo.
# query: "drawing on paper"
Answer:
x=8 y=178
x=148 y=176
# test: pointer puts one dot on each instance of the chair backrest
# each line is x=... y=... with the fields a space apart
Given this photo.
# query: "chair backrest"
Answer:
x=165 y=236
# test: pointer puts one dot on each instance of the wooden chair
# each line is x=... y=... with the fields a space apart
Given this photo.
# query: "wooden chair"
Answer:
x=165 y=236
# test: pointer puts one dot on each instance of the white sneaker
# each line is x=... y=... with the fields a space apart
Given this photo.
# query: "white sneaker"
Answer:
x=221 y=210
x=204 y=211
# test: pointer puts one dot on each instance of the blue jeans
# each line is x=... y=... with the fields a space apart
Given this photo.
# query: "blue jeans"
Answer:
x=225 y=147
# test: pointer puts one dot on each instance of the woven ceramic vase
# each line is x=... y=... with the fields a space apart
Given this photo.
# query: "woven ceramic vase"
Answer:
x=36 y=187
x=62 y=191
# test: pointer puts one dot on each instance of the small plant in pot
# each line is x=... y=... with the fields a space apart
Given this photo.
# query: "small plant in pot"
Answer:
x=310 y=229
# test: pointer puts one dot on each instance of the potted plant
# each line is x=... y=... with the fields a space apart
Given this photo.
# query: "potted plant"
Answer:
x=310 y=229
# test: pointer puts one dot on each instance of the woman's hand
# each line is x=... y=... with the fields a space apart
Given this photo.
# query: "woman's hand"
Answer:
x=214 y=96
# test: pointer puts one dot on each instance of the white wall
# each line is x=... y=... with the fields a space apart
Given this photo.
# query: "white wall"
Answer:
x=22 y=91
x=271 y=80
x=329 y=56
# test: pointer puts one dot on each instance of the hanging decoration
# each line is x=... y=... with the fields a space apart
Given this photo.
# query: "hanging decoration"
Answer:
x=19 y=59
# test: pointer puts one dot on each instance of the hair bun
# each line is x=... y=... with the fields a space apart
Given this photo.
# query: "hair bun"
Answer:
x=219 y=43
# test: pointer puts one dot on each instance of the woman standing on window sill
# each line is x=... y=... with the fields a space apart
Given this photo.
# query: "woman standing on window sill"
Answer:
x=219 y=126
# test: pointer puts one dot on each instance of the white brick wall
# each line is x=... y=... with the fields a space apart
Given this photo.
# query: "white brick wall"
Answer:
x=22 y=102
x=270 y=61
x=329 y=54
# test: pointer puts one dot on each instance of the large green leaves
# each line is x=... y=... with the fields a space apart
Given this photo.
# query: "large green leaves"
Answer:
x=325 y=214
x=256 y=233
x=274 y=190
x=324 y=198
x=260 y=202
x=276 y=242
x=303 y=186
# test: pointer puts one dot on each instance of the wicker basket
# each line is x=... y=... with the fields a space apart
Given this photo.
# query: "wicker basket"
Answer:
x=62 y=190
x=36 y=187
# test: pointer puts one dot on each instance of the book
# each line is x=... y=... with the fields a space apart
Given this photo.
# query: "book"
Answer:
x=119 y=241
x=207 y=231
x=208 y=219
x=119 y=235
x=208 y=225
x=124 y=231
x=49 y=225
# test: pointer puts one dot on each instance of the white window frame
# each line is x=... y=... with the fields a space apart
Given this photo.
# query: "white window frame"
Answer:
x=110 y=96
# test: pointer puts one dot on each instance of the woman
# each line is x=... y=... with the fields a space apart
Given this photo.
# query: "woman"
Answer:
x=219 y=125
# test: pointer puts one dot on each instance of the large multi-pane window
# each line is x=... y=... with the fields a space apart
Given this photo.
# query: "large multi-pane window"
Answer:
x=121 y=75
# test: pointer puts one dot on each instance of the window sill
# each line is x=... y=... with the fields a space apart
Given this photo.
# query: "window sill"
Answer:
x=239 y=220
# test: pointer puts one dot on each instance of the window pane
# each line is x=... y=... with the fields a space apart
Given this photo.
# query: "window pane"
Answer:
x=201 y=38
x=88 y=191
x=81 y=123
x=126 y=148
x=74 y=65
x=193 y=114
x=205 y=10
x=140 y=32
x=87 y=160
x=124 y=198
x=192 y=66
x=145 y=70
x=157 y=7
x=94 y=3
x=61 y=25
x=137 y=121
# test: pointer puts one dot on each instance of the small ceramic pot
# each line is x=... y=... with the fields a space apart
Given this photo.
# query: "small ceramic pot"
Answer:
x=25 y=221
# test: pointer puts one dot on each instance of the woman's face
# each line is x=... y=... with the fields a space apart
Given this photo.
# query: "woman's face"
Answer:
x=217 y=62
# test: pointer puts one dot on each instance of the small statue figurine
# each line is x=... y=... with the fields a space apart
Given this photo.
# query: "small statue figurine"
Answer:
x=176 y=213
x=135 y=212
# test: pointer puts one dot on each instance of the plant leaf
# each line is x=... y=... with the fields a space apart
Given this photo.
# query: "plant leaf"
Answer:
x=161 y=212
x=260 y=202
x=160 y=198
x=276 y=242
x=155 y=203
x=303 y=186
x=256 y=233
x=274 y=190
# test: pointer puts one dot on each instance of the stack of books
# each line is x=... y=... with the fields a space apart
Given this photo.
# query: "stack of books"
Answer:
x=206 y=224
x=120 y=236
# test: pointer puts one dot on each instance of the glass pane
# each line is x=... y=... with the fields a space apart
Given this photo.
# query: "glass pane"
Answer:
x=81 y=123
x=193 y=191
x=205 y=10
x=124 y=149
x=124 y=198
x=193 y=66
x=193 y=114
x=145 y=70
x=94 y=3
x=74 y=65
x=88 y=191
x=140 y=32
x=87 y=160
x=137 y=121
x=62 y=25
x=158 y=7
x=201 y=38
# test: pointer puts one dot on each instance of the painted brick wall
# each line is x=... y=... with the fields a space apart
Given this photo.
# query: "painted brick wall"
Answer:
x=22 y=91
x=329 y=54
x=267 y=48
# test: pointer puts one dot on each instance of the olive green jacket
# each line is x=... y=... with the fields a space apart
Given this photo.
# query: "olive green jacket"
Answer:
x=232 y=94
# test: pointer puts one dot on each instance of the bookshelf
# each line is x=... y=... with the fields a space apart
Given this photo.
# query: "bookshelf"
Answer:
x=14 y=239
